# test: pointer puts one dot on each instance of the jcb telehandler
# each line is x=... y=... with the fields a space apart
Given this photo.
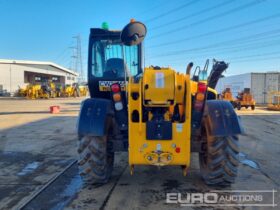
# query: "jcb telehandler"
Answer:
x=156 y=114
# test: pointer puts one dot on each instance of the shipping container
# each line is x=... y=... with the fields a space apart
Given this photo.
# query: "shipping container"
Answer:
x=261 y=84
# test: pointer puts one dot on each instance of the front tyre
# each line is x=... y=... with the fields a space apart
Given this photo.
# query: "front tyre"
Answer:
x=95 y=161
x=238 y=106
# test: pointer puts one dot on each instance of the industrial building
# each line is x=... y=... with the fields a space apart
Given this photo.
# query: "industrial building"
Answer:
x=261 y=84
x=19 y=73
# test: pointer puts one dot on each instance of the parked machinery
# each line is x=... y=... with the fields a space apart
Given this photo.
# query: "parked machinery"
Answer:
x=227 y=96
x=22 y=91
x=33 y=91
x=158 y=115
x=245 y=99
x=71 y=90
x=274 y=101
x=83 y=89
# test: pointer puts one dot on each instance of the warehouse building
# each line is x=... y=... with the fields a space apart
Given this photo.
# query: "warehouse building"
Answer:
x=19 y=73
x=261 y=84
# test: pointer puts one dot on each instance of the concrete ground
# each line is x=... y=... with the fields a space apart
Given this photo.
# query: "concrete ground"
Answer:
x=36 y=145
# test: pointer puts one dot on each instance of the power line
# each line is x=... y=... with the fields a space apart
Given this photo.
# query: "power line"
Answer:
x=219 y=31
x=256 y=60
x=172 y=10
x=234 y=49
x=236 y=9
x=238 y=49
x=220 y=43
x=194 y=14
x=251 y=56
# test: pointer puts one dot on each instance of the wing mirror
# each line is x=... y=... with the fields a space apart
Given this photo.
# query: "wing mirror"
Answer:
x=133 y=33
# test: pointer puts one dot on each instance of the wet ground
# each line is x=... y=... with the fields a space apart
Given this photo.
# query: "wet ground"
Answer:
x=37 y=146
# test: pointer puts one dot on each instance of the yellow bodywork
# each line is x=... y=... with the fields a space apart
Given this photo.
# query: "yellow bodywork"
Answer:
x=274 y=101
x=33 y=91
x=83 y=90
x=246 y=100
x=165 y=87
x=227 y=95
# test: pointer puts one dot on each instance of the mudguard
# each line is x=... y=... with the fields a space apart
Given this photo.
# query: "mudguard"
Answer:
x=93 y=116
x=223 y=121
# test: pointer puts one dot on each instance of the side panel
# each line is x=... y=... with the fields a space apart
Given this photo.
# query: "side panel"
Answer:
x=222 y=118
x=92 y=118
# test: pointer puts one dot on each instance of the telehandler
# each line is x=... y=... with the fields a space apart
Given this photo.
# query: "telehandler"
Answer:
x=245 y=99
x=227 y=96
x=156 y=114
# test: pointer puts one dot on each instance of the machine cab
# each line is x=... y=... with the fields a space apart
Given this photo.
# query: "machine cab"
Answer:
x=110 y=61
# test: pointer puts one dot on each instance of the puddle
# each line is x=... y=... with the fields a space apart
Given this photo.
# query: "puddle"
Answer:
x=60 y=193
x=69 y=192
x=245 y=161
x=29 y=168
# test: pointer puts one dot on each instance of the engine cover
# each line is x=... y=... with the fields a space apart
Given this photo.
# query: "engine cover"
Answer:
x=158 y=87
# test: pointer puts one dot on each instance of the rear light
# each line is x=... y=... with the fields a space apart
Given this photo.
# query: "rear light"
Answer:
x=202 y=87
x=178 y=150
x=115 y=88
x=118 y=106
x=200 y=96
x=117 y=97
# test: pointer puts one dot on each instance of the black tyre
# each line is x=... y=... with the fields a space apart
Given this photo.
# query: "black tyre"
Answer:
x=253 y=107
x=238 y=106
x=95 y=161
x=219 y=160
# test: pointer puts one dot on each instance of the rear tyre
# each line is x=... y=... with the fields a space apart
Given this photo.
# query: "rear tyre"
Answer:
x=238 y=106
x=219 y=160
x=253 y=107
x=95 y=162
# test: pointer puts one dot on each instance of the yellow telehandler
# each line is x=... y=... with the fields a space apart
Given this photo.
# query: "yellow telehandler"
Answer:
x=158 y=115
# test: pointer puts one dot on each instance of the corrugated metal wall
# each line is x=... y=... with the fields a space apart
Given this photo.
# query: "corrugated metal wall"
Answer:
x=258 y=87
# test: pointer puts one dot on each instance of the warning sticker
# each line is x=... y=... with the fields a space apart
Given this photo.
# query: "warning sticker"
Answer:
x=159 y=80
x=179 y=127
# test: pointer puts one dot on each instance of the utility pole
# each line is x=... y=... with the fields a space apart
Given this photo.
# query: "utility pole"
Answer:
x=77 y=61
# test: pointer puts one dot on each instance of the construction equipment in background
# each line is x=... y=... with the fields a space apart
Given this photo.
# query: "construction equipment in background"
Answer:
x=52 y=90
x=58 y=90
x=227 y=96
x=71 y=90
x=83 y=90
x=22 y=91
x=274 y=101
x=157 y=115
x=245 y=99
x=33 y=91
